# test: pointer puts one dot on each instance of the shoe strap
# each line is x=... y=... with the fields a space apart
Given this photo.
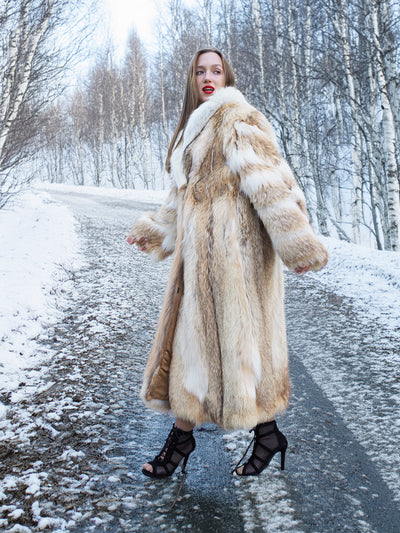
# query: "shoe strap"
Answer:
x=245 y=453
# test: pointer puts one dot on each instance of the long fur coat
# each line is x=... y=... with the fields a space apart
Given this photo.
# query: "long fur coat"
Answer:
x=241 y=214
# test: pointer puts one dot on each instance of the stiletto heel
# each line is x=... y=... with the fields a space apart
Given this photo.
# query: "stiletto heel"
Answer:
x=283 y=453
x=184 y=464
x=177 y=448
x=268 y=442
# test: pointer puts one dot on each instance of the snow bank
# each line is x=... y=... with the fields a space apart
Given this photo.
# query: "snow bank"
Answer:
x=138 y=195
x=38 y=247
x=371 y=278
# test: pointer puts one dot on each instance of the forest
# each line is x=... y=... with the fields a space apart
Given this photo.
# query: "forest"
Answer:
x=325 y=73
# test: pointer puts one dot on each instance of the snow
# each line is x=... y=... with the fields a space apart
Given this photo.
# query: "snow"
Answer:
x=369 y=277
x=138 y=195
x=40 y=252
x=41 y=249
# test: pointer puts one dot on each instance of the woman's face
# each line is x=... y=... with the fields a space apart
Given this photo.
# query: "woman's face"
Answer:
x=210 y=75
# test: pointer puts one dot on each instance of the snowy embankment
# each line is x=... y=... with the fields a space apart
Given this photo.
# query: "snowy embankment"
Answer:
x=37 y=236
x=40 y=248
x=370 y=278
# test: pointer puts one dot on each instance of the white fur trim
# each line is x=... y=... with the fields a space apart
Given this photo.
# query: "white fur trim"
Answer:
x=177 y=171
x=154 y=255
x=284 y=240
x=281 y=207
x=283 y=165
x=145 y=219
x=239 y=159
x=252 y=183
x=197 y=121
x=200 y=116
x=248 y=130
x=161 y=406
x=168 y=243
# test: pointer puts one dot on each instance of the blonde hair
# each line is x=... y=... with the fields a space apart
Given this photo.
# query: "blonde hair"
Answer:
x=191 y=99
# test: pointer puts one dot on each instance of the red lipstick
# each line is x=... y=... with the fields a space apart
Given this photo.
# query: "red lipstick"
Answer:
x=208 y=89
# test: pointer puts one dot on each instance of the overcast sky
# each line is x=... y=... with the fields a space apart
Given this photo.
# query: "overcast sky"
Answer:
x=123 y=15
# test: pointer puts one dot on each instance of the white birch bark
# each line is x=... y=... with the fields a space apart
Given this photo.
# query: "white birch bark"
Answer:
x=14 y=101
x=227 y=15
x=7 y=75
x=375 y=170
x=388 y=137
x=340 y=22
x=390 y=65
x=164 y=124
x=309 y=182
x=280 y=31
x=208 y=20
x=257 y=24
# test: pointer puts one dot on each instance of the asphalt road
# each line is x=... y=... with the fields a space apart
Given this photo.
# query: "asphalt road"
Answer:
x=89 y=432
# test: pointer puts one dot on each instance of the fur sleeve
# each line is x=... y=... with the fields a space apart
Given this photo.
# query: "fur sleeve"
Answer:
x=159 y=228
x=265 y=177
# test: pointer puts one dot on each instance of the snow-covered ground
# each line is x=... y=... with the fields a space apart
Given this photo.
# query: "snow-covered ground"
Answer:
x=37 y=236
x=370 y=278
x=40 y=249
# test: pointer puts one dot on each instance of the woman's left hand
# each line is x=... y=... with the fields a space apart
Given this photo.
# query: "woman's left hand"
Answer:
x=302 y=269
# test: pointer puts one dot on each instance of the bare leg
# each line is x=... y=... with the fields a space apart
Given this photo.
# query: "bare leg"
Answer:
x=179 y=423
x=184 y=425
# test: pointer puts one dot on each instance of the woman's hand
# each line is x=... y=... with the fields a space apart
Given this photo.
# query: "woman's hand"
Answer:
x=302 y=269
x=140 y=243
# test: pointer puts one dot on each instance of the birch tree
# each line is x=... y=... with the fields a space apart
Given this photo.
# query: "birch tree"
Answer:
x=388 y=127
x=31 y=61
x=340 y=21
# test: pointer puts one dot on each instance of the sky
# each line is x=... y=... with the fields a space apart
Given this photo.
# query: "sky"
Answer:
x=123 y=15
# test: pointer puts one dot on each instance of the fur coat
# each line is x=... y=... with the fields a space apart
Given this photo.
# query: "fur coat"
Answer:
x=240 y=214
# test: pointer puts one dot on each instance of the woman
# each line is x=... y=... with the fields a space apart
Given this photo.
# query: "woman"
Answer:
x=234 y=214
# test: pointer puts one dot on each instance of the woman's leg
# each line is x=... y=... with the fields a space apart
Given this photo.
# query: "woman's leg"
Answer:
x=182 y=425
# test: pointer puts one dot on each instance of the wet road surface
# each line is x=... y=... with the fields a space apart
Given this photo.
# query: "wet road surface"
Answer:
x=73 y=461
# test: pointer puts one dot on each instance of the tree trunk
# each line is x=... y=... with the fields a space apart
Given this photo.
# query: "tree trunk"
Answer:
x=15 y=97
x=388 y=138
x=342 y=29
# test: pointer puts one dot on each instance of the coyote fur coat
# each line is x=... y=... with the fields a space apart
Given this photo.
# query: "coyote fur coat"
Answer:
x=240 y=214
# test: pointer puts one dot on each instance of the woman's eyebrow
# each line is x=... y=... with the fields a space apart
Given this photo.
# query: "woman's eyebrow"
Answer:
x=212 y=66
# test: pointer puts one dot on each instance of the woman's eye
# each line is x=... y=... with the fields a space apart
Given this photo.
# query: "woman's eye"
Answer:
x=198 y=72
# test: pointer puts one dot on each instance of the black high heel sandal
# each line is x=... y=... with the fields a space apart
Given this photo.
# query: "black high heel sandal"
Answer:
x=268 y=441
x=177 y=448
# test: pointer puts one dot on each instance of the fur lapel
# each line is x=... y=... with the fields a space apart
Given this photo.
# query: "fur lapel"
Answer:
x=197 y=121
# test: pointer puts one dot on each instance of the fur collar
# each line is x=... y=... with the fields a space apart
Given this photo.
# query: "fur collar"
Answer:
x=200 y=116
x=197 y=121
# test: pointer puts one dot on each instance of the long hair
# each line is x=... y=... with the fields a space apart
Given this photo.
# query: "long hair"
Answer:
x=191 y=99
